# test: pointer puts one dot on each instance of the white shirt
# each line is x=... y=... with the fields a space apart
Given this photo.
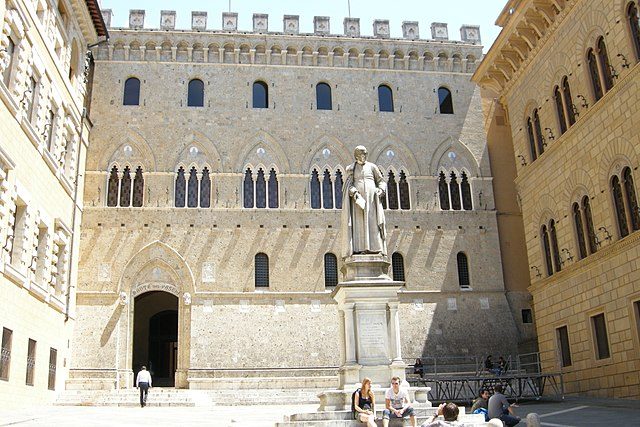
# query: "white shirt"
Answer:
x=143 y=377
x=397 y=400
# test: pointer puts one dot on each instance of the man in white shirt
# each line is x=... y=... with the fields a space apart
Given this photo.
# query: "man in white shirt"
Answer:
x=143 y=382
x=397 y=404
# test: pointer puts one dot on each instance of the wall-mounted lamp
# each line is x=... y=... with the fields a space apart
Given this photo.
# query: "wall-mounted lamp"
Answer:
x=25 y=94
x=584 y=104
x=614 y=73
x=124 y=299
x=569 y=256
x=625 y=63
x=551 y=135
x=574 y=109
x=607 y=235
x=535 y=267
x=47 y=126
x=523 y=161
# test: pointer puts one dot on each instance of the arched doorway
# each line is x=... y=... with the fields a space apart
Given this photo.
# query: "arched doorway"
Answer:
x=155 y=336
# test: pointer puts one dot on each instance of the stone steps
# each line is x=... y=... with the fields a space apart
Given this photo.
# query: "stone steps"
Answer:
x=345 y=419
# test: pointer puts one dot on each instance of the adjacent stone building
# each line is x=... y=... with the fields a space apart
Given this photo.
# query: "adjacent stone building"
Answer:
x=43 y=144
x=567 y=75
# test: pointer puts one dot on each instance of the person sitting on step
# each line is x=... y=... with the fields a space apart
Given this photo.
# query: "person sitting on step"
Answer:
x=365 y=404
x=397 y=404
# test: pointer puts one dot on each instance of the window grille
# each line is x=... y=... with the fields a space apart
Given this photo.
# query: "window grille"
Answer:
x=192 y=189
x=397 y=266
x=5 y=355
x=392 y=191
x=330 y=270
x=403 y=185
x=125 y=188
x=465 y=188
x=463 y=270
x=138 y=188
x=181 y=188
x=274 y=199
x=248 y=189
x=454 y=188
x=327 y=190
x=205 y=189
x=261 y=270
x=443 y=192
x=53 y=362
x=112 y=188
x=31 y=362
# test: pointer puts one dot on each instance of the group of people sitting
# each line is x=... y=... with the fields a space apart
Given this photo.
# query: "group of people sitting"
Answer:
x=398 y=405
x=498 y=368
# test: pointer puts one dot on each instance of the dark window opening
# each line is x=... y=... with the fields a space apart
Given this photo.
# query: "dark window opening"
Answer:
x=563 y=345
x=547 y=250
x=205 y=189
x=557 y=97
x=397 y=267
x=385 y=98
x=125 y=188
x=261 y=190
x=634 y=22
x=588 y=222
x=463 y=270
x=131 y=92
x=554 y=245
x=538 y=129
x=330 y=270
x=260 y=95
x=600 y=334
x=338 y=189
x=618 y=201
x=632 y=201
x=566 y=89
x=327 y=190
x=273 y=190
x=323 y=97
x=5 y=355
x=405 y=200
x=577 y=220
x=180 y=189
x=446 y=101
x=31 y=362
x=465 y=189
x=138 y=188
x=261 y=270
x=594 y=74
x=112 y=188
x=454 y=189
x=248 y=189
x=532 y=141
x=53 y=363
x=606 y=65
x=315 y=190
x=192 y=189
x=195 y=96
x=527 y=316
x=443 y=192
x=392 y=191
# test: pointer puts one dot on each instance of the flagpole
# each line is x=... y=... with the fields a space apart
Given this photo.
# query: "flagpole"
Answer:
x=348 y=5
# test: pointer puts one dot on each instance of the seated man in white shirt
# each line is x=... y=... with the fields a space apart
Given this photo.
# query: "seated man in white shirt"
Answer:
x=143 y=382
x=397 y=404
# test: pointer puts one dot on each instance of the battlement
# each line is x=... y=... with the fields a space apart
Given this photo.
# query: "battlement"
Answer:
x=291 y=26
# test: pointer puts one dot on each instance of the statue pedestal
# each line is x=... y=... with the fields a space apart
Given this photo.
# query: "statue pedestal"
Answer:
x=370 y=330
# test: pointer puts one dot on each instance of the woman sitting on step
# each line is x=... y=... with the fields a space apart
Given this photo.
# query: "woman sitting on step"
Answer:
x=364 y=404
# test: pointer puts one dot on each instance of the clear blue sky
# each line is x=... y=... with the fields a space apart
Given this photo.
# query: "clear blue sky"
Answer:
x=453 y=12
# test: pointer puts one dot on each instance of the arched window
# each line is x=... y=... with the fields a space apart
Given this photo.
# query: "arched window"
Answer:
x=538 y=129
x=605 y=64
x=327 y=191
x=553 y=235
x=465 y=189
x=338 y=189
x=588 y=223
x=315 y=190
x=261 y=270
x=632 y=201
x=557 y=97
x=385 y=98
x=618 y=201
x=330 y=270
x=594 y=74
x=192 y=189
x=443 y=192
x=392 y=191
x=112 y=188
x=180 y=189
x=397 y=267
x=125 y=188
x=405 y=200
x=247 y=187
x=463 y=270
x=261 y=190
x=195 y=96
x=577 y=220
x=205 y=189
x=323 y=97
x=566 y=90
x=260 y=95
x=546 y=247
x=454 y=189
x=634 y=24
x=273 y=189
x=131 y=92
x=446 y=100
x=532 y=141
x=138 y=188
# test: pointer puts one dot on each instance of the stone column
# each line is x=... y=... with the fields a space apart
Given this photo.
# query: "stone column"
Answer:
x=350 y=334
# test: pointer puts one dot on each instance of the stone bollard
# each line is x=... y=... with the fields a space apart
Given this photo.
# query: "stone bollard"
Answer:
x=533 y=420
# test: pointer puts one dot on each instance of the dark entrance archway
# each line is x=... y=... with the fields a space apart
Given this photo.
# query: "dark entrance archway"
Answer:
x=155 y=336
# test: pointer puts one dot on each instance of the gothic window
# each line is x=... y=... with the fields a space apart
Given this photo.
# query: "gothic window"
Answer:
x=463 y=270
x=634 y=23
x=446 y=100
x=205 y=189
x=261 y=270
x=392 y=191
x=546 y=247
x=315 y=190
x=112 y=188
x=131 y=92
x=532 y=141
x=327 y=191
x=538 y=129
x=465 y=189
x=273 y=189
x=261 y=190
x=454 y=189
x=594 y=74
x=605 y=64
x=443 y=192
x=248 y=189
x=397 y=267
x=618 y=201
x=192 y=189
x=323 y=96
x=588 y=222
x=338 y=189
x=180 y=188
x=330 y=270
x=554 y=245
x=125 y=188
x=6 y=74
x=385 y=98
x=577 y=220
x=632 y=201
x=260 y=95
x=557 y=97
x=195 y=96
x=138 y=188
x=566 y=90
x=403 y=186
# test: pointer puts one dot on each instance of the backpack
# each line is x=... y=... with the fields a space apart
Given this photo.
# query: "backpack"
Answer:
x=353 y=400
x=483 y=412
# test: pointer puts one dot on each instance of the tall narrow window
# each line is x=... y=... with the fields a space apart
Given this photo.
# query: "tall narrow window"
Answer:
x=463 y=270
x=546 y=248
x=557 y=97
x=195 y=96
x=465 y=189
x=562 y=336
x=274 y=199
x=138 y=188
x=327 y=190
x=605 y=64
x=261 y=270
x=330 y=270
x=205 y=189
x=31 y=98
x=599 y=326
x=630 y=196
x=538 y=129
x=125 y=188
x=454 y=189
x=6 y=74
x=338 y=189
x=5 y=356
x=588 y=222
x=634 y=25
x=112 y=187
x=192 y=189
x=51 y=117
x=260 y=95
x=131 y=92
x=532 y=141
x=397 y=267
x=566 y=90
x=577 y=220
x=315 y=190
x=53 y=364
x=618 y=201
x=180 y=189
x=403 y=186
x=385 y=98
x=323 y=97
x=553 y=235
x=261 y=190
x=392 y=191
x=247 y=187
x=446 y=100
x=443 y=192
x=31 y=361
x=594 y=74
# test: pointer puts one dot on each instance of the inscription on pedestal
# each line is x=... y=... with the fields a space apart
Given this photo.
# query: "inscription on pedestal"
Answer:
x=373 y=342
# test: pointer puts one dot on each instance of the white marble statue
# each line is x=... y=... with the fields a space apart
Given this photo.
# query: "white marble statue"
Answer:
x=363 y=224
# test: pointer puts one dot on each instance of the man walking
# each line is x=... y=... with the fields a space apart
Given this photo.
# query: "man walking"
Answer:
x=143 y=382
